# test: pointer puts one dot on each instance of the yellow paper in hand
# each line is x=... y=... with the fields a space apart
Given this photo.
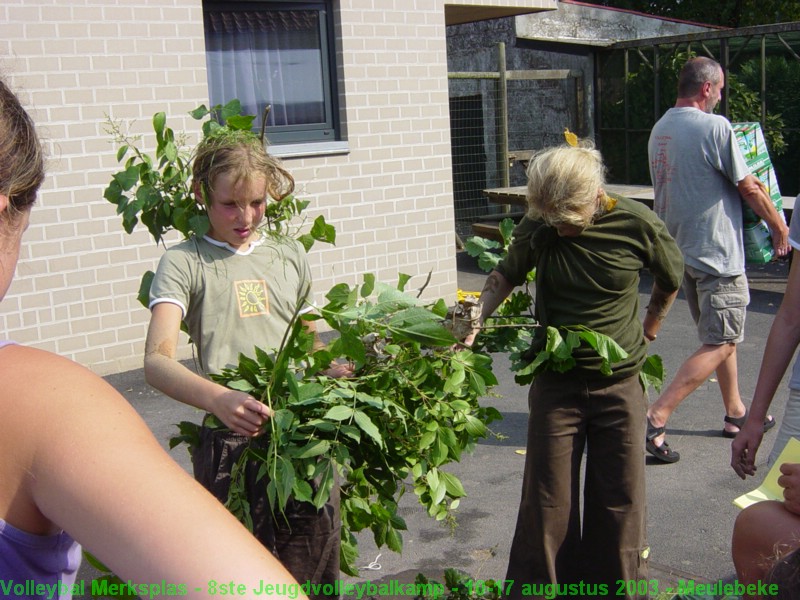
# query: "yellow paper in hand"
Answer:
x=769 y=488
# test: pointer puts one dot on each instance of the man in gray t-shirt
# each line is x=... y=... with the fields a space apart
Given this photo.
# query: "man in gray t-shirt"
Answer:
x=700 y=179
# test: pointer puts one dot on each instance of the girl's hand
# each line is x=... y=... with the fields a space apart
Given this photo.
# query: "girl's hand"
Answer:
x=241 y=412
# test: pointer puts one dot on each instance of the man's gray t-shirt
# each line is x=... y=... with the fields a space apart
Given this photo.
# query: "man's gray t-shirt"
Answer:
x=695 y=164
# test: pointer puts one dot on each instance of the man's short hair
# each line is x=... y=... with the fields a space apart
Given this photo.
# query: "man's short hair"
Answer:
x=695 y=73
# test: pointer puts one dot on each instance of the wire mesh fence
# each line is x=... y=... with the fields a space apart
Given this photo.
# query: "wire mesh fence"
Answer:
x=497 y=120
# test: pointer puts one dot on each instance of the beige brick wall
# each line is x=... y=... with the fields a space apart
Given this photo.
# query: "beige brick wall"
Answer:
x=76 y=63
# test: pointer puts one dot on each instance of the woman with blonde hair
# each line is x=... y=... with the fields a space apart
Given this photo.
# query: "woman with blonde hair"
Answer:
x=588 y=249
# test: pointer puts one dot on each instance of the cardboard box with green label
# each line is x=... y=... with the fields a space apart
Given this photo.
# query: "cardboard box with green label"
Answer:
x=757 y=242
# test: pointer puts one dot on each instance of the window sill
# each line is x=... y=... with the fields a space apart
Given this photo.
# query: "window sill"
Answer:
x=309 y=149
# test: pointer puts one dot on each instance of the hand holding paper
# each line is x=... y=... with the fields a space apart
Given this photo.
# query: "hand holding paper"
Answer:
x=790 y=482
x=772 y=488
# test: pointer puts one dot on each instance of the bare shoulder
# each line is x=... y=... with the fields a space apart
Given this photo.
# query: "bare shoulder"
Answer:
x=54 y=393
x=28 y=370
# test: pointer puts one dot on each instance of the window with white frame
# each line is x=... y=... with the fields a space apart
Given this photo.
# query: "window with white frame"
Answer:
x=276 y=54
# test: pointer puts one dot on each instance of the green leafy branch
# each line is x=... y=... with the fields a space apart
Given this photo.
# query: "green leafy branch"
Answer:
x=412 y=408
x=157 y=190
x=514 y=329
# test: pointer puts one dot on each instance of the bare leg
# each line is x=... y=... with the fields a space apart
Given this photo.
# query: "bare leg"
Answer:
x=692 y=374
x=728 y=377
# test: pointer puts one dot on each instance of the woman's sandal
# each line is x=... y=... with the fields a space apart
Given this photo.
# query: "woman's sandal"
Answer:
x=769 y=423
x=663 y=452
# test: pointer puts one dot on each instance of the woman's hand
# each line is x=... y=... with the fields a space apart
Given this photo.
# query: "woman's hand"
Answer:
x=790 y=482
x=339 y=370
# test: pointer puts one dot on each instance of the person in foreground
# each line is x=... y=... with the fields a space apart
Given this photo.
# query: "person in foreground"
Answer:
x=766 y=531
x=700 y=178
x=237 y=288
x=766 y=538
x=588 y=250
x=77 y=463
x=782 y=342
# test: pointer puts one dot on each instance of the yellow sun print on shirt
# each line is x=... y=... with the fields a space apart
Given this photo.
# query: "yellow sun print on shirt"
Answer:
x=252 y=297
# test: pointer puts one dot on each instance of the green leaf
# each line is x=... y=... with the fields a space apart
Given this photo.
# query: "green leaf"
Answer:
x=339 y=294
x=113 y=193
x=427 y=439
x=440 y=308
x=653 y=373
x=283 y=478
x=430 y=334
x=122 y=151
x=302 y=491
x=402 y=280
x=369 y=285
x=507 y=229
x=339 y=413
x=323 y=232
x=452 y=484
x=437 y=487
x=475 y=426
x=241 y=385
x=439 y=451
x=171 y=151
x=200 y=112
x=128 y=178
x=147 y=196
x=313 y=448
x=368 y=427
x=95 y=562
x=242 y=122
x=325 y=485
x=455 y=380
x=307 y=241
x=199 y=225
x=394 y=540
x=283 y=419
x=144 y=288
x=604 y=345
x=394 y=297
x=348 y=554
x=232 y=109
x=159 y=122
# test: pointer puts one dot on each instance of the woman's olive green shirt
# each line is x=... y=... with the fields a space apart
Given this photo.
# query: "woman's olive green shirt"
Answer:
x=593 y=279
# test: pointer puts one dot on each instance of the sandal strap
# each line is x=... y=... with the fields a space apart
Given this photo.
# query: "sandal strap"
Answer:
x=653 y=432
x=737 y=421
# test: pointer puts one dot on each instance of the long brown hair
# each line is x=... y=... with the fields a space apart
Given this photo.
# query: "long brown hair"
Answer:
x=21 y=155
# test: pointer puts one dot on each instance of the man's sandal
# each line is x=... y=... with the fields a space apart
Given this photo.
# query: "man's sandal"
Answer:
x=663 y=452
x=769 y=423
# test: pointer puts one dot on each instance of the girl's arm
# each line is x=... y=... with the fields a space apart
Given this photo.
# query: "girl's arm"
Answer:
x=239 y=411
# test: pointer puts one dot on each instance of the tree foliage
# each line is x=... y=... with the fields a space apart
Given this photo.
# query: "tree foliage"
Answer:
x=412 y=407
x=728 y=13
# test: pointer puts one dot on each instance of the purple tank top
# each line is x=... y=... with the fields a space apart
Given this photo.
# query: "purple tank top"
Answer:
x=37 y=566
